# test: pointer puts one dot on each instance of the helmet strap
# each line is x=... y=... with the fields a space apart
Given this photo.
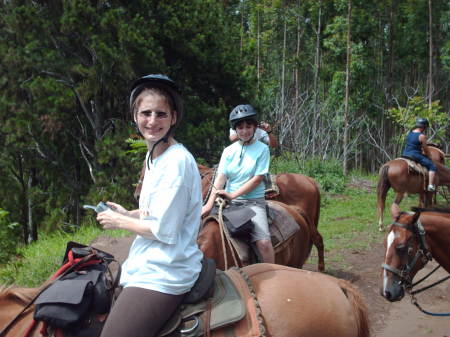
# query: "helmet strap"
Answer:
x=164 y=139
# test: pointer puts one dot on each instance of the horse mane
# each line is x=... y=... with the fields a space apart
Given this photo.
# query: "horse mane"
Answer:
x=431 y=209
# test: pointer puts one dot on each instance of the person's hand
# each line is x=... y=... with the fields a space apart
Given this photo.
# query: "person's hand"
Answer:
x=116 y=207
x=109 y=219
x=265 y=126
x=224 y=195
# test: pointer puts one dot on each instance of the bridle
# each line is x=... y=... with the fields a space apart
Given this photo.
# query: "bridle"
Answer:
x=423 y=253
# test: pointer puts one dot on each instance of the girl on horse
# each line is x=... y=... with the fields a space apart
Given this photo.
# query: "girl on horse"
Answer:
x=416 y=142
x=242 y=168
x=164 y=260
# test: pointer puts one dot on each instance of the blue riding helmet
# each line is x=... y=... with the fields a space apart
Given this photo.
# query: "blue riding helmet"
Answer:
x=242 y=112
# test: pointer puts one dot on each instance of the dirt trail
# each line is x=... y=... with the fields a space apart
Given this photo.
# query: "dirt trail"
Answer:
x=400 y=319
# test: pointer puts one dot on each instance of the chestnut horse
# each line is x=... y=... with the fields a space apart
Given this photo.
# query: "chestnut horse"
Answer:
x=414 y=238
x=293 y=302
x=300 y=196
x=396 y=174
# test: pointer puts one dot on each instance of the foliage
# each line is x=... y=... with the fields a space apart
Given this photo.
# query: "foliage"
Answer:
x=9 y=232
x=328 y=174
x=405 y=117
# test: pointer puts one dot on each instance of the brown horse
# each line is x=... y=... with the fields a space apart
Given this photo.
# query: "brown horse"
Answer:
x=293 y=302
x=396 y=174
x=413 y=239
x=300 y=196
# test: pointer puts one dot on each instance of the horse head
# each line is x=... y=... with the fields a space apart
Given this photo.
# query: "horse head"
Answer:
x=406 y=254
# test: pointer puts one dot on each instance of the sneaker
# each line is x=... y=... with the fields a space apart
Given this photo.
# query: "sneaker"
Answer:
x=431 y=188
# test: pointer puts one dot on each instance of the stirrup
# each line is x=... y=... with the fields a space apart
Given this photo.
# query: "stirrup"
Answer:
x=431 y=188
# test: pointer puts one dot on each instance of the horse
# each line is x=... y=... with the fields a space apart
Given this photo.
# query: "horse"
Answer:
x=292 y=302
x=414 y=238
x=397 y=174
x=299 y=195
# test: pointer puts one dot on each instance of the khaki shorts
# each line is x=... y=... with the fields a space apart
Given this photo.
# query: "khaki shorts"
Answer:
x=261 y=230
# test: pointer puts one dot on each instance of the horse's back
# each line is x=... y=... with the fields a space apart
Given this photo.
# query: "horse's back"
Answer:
x=302 y=303
x=302 y=192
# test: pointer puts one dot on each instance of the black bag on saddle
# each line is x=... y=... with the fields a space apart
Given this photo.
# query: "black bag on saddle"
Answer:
x=85 y=289
x=238 y=219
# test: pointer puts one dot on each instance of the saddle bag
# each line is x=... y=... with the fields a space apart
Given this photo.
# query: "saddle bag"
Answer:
x=238 y=219
x=84 y=289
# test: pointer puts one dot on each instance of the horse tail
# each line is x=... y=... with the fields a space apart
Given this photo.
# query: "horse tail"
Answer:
x=358 y=306
x=382 y=188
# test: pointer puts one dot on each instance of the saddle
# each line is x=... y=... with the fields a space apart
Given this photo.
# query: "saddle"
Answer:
x=414 y=166
x=225 y=307
x=282 y=227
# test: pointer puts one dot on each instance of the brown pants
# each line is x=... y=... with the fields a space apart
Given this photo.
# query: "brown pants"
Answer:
x=140 y=312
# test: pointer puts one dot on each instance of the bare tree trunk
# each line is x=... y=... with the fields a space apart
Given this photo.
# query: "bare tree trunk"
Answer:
x=316 y=75
x=32 y=230
x=283 y=66
x=347 y=87
x=430 y=55
x=258 y=60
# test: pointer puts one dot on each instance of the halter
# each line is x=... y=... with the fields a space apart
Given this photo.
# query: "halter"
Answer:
x=404 y=273
x=422 y=253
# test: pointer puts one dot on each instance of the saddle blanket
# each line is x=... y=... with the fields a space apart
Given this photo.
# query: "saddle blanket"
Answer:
x=282 y=227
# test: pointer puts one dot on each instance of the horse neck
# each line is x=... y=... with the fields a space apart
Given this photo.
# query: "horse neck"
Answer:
x=437 y=227
x=10 y=307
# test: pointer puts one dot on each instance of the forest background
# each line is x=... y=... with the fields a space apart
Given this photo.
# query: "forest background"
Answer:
x=340 y=81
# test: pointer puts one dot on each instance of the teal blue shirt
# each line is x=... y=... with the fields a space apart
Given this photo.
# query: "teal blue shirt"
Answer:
x=241 y=163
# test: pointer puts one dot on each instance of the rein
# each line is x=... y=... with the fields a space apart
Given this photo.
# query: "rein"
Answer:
x=404 y=274
x=210 y=182
x=225 y=235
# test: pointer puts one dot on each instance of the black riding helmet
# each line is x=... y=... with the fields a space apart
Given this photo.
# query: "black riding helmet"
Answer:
x=422 y=122
x=163 y=82
x=242 y=112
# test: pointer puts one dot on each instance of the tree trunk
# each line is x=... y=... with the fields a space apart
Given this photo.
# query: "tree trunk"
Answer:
x=430 y=55
x=347 y=87
x=316 y=76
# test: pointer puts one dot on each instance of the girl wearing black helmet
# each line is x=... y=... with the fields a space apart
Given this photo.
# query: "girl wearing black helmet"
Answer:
x=164 y=260
x=416 y=143
x=242 y=168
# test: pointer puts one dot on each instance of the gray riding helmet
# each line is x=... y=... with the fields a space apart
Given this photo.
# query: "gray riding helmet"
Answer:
x=422 y=122
x=240 y=113
x=163 y=82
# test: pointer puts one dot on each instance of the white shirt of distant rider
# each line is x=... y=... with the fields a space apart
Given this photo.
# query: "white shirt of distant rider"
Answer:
x=260 y=135
x=170 y=203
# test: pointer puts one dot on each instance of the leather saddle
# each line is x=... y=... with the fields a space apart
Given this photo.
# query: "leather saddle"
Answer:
x=213 y=302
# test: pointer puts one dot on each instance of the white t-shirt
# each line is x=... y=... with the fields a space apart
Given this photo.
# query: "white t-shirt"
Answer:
x=260 y=135
x=170 y=203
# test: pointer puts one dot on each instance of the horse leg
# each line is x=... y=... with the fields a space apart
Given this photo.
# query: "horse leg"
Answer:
x=318 y=243
x=395 y=207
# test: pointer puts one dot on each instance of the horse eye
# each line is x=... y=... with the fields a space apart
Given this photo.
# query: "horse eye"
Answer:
x=401 y=249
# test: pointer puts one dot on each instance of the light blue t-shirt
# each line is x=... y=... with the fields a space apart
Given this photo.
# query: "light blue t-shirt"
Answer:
x=170 y=204
x=241 y=163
